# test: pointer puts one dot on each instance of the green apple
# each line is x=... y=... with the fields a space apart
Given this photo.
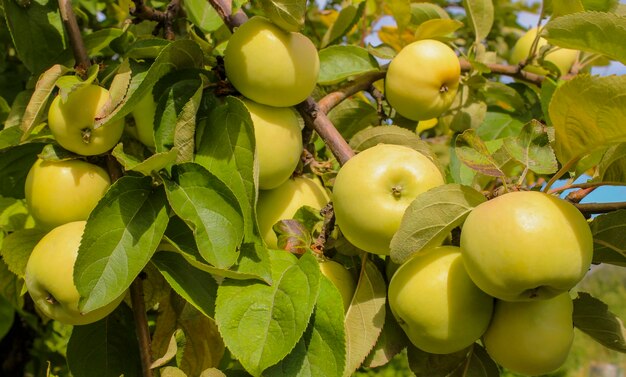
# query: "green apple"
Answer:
x=526 y=245
x=374 y=188
x=436 y=303
x=49 y=277
x=143 y=114
x=422 y=80
x=341 y=278
x=72 y=121
x=284 y=201
x=563 y=58
x=278 y=142
x=58 y=192
x=532 y=338
x=269 y=65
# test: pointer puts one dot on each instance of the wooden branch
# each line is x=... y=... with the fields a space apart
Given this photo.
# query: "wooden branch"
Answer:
x=596 y=208
x=165 y=19
x=141 y=325
x=360 y=83
x=76 y=39
x=224 y=9
x=507 y=70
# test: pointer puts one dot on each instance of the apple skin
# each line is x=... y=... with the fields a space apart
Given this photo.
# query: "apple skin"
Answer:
x=532 y=338
x=284 y=201
x=526 y=245
x=422 y=80
x=269 y=65
x=436 y=303
x=69 y=120
x=59 y=192
x=49 y=277
x=563 y=58
x=278 y=142
x=374 y=188
x=143 y=113
x=341 y=278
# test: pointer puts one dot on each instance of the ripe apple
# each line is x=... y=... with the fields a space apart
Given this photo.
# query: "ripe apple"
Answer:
x=58 y=192
x=436 y=303
x=374 y=188
x=269 y=65
x=284 y=201
x=278 y=142
x=49 y=277
x=532 y=338
x=72 y=121
x=143 y=113
x=341 y=278
x=422 y=79
x=563 y=58
x=526 y=245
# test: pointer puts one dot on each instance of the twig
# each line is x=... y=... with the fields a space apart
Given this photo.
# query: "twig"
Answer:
x=360 y=83
x=224 y=9
x=595 y=208
x=76 y=39
x=578 y=195
x=327 y=228
x=508 y=70
x=585 y=185
x=141 y=325
x=165 y=19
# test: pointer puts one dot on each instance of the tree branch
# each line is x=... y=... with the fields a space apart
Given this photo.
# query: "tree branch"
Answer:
x=595 y=208
x=76 y=39
x=165 y=19
x=141 y=325
x=224 y=9
x=507 y=70
x=360 y=83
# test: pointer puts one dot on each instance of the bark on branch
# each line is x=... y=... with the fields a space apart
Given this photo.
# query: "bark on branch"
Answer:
x=165 y=19
x=76 y=39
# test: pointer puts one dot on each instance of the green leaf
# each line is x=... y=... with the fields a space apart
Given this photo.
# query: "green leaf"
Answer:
x=287 y=14
x=107 y=348
x=211 y=211
x=401 y=12
x=612 y=167
x=348 y=17
x=437 y=29
x=422 y=12
x=152 y=164
x=321 y=350
x=18 y=107
x=13 y=215
x=10 y=137
x=430 y=218
x=498 y=93
x=14 y=166
x=532 y=148
x=36 y=31
x=121 y=234
x=593 y=317
x=292 y=236
x=481 y=364
x=587 y=114
x=11 y=287
x=473 y=152
x=480 y=15
x=338 y=63
x=601 y=5
x=425 y=364
x=365 y=317
x=205 y=18
x=499 y=125
x=173 y=371
x=609 y=238
x=7 y=313
x=595 y=32
x=563 y=7
x=16 y=249
x=352 y=116
x=199 y=288
x=392 y=341
x=261 y=324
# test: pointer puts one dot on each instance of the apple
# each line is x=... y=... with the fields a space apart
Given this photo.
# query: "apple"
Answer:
x=72 y=121
x=422 y=80
x=269 y=65
x=278 y=142
x=341 y=278
x=436 y=303
x=563 y=58
x=49 y=277
x=532 y=338
x=143 y=114
x=526 y=245
x=59 y=192
x=374 y=188
x=284 y=201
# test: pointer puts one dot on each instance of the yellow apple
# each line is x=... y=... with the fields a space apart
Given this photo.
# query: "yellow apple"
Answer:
x=374 y=188
x=72 y=121
x=341 y=278
x=284 y=201
x=422 y=80
x=526 y=245
x=278 y=142
x=269 y=65
x=58 y=192
x=532 y=338
x=49 y=277
x=436 y=303
x=143 y=114
x=563 y=58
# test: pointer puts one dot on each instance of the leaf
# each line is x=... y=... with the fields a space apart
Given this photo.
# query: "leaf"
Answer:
x=10 y=137
x=172 y=348
x=338 y=63
x=107 y=348
x=14 y=166
x=287 y=14
x=593 y=317
x=172 y=371
x=473 y=152
x=292 y=236
x=7 y=314
x=261 y=324
x=425 y=364
x=587 y=114
x=11 y=287
x=499 y=125
x=609 y=238
x=205 y=18
x=481 y=364
x=430 y=218
x=401 y=12
x=594 y=32
x=437 y=29
x=121 y=234
x=372 y=136
x=194 y=285
x=480 y=15
x=422 y=12
x=17 y=246
x=13 y=215
x=210 y=209
x=321 y=350
x=14 y=119
x=365 y=317
x=563 y=7
x=347 y=19
x=532 y=148
x=391 y=341
x=352 y=116
x=612 y=167
x=152 y=164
